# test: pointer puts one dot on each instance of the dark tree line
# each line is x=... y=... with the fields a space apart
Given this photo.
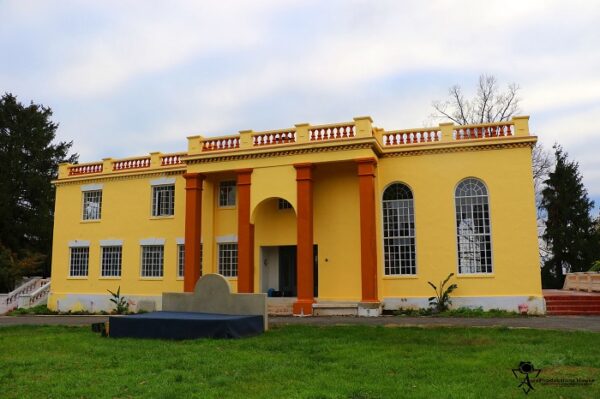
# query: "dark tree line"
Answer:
x=29 y=160
x=572 y=235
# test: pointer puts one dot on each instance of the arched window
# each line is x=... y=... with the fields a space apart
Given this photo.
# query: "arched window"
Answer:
x=399 y=230
x=473 y=227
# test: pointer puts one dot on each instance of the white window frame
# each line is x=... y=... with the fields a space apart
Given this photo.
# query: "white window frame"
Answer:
x=159 y=208
x=106 y=268
x=407 y=205
x=227 y=259
x=227 y=199
x=83 y=257
x=148 y=269
x=91 y=204
x=475 y=239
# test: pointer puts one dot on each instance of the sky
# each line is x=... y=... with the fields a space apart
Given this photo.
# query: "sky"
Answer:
x=127 y=78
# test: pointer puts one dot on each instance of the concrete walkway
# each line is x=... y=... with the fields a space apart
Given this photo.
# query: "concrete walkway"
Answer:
x=566 y=323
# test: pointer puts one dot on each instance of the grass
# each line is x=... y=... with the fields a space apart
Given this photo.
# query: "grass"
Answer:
x=295 y=362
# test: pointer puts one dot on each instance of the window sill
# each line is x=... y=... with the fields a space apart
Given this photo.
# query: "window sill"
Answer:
x=162 y=217
x=483 y=275
x=227 y=208
x=151 y=278
x=91 y=221
x=401 y=277
x=180 y=278
x=77 y=278
x=109 y=278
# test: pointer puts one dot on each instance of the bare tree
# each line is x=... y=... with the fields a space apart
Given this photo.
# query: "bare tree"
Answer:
x=491 y=104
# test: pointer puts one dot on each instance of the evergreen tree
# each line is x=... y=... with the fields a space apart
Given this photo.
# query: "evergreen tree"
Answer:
x=28 y=162
x=570 y=232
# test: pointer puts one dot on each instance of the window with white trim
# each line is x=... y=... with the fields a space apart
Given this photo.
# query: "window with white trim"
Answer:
x=228 y=259
x=399 y=231
x=163 y=200
x=79 y=260
x=227 y=193
x=152 y=260
x=92 y=205
x=181 y=260
x=111 y=261
x=474 y=242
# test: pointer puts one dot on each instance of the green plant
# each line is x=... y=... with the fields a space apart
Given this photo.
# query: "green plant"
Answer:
x=441 y=300
x=595 y=266
x=40 y=309
x=121 y=304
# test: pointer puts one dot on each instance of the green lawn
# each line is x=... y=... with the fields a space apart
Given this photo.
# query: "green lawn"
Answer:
x=296 y=362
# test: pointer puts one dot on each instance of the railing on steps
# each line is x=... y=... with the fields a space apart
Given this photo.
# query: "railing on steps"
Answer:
x=34 y=298
x=10 y=301
x=582 y=281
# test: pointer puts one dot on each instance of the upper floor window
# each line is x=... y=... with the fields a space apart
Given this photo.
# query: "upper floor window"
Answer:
x=474 y=243
x=163 y=200
x=228 y=259
x=227 y=193
x=92 y=205
x=399 y=230
x=79 y=260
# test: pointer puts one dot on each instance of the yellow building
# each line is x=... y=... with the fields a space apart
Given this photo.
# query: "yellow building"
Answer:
x=342 y=217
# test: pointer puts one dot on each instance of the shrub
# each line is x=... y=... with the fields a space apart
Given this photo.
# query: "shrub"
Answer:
x=441 y=300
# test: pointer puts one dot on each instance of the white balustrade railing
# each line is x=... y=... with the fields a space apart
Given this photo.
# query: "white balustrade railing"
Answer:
x=171 y=159
x=483 y=131
x=411 y=137
x=137 y=163
x=10 y=301
x=85 y=169
x=223 y=143
x=34 y=298
x=281 y=137
x=332 y=132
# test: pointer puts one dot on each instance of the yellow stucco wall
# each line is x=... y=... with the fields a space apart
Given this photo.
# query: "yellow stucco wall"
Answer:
x=126 y=215
x=433 y=179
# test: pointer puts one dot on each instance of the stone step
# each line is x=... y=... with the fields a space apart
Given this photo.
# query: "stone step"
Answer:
x=335 y=309
x=573 y=313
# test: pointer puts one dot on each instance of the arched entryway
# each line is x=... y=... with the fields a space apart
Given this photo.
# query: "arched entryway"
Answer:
x=275 y=237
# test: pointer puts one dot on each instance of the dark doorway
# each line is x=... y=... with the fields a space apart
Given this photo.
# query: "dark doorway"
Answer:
x=288 y=271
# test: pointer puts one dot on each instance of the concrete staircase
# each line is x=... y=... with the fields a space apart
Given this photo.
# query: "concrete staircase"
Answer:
x=572 y=303
x=33 y=292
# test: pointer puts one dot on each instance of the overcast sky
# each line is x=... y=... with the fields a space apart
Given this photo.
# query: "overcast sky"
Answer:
x=129 y=77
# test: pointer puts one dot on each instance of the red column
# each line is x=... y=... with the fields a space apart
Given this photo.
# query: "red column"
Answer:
x=245 y=233
x=193 y=229
x=368 y=244
x=305 y=242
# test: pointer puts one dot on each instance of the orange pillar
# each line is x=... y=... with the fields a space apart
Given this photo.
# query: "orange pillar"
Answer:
x=193 y=229
x=304 y=267
x=245 y=233
x=368 y=244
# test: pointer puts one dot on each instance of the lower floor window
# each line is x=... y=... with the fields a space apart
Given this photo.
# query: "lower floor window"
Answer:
x=79 y=261
x=228 y=259
x=111 y=261
x=181 y=260
x=152 y=260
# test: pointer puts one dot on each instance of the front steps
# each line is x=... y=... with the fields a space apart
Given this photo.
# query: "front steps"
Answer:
x=567 y=303
x=33 y=292
x=284 y=307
